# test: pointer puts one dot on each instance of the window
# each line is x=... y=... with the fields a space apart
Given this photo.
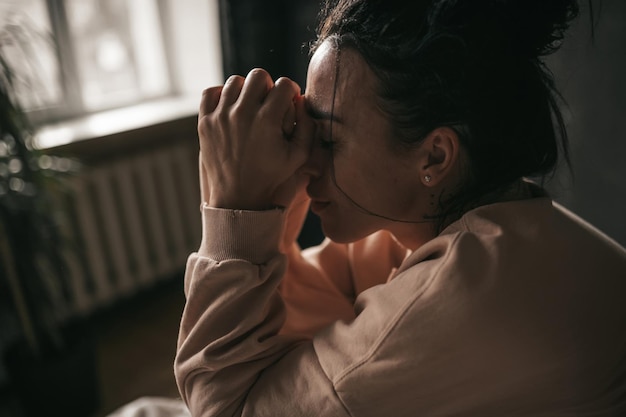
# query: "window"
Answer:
x=30 y=53
x=85 y=57
x=116 y=62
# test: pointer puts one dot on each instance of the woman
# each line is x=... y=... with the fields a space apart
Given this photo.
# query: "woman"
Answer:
x=449 y=284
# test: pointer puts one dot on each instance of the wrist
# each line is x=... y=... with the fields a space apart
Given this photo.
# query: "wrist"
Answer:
x=238 y=203
x=241 y=234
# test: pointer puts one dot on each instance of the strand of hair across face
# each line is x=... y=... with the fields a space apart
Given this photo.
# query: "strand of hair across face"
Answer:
x=332 y=169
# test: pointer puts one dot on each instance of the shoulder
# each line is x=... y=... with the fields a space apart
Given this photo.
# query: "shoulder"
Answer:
x=534 y=236
x=491 y=289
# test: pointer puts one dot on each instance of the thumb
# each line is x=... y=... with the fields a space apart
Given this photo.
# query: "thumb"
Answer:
x=303 y=132
x=289 y=121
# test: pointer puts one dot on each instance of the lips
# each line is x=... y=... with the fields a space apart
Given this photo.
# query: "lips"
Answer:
x=318 y=206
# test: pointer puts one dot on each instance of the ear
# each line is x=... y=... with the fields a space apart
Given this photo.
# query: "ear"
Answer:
x=439 y=156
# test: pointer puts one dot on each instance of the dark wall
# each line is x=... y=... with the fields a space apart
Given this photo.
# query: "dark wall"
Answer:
x=271 y=34
x=589 y=72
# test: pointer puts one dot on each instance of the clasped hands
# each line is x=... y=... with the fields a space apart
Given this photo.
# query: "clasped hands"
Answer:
x=254 y=136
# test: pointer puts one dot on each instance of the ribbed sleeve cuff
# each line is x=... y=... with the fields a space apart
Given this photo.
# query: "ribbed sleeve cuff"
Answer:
x=253 y=236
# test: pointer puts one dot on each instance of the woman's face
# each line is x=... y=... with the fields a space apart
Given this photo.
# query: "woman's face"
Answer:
x=370 y=176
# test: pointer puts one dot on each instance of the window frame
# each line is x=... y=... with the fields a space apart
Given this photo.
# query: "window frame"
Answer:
x=71 y=105
x=185 y=24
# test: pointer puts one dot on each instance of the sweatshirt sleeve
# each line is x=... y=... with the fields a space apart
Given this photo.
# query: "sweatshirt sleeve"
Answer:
x=229 y=341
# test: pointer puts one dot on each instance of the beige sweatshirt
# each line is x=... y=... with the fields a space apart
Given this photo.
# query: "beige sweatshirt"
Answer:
x=517 y=309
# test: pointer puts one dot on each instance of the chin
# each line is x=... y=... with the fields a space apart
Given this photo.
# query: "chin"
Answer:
x=345 y=231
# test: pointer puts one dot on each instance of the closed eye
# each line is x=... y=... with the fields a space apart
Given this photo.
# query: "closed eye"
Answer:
x=327 y=144
x=323 y=136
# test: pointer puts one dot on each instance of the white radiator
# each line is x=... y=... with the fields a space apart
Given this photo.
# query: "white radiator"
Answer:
x=134 y=220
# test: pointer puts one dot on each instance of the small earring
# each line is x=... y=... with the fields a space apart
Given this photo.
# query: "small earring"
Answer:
x=427 y=178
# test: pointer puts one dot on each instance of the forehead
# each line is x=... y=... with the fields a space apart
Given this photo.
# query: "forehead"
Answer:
x=343 y=74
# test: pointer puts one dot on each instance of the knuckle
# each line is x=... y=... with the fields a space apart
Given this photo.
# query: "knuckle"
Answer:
x=283 y=80
x=207 y=92
x=204 y=126
x=234 y=79
x=286 y=84
x=232 y=87
x=238 y=112
x=203 y=120
x=258 y=73
x=223 y=118
x=206 y=120
x=210 y=95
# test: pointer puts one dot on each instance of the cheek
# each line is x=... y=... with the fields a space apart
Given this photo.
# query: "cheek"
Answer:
x=352 y=172
x=380 y=182
x=362 y=168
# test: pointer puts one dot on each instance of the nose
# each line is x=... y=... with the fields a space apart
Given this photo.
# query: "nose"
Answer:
x=319 y=158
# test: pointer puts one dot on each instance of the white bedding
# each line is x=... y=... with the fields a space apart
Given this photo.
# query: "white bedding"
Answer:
x=153 y=407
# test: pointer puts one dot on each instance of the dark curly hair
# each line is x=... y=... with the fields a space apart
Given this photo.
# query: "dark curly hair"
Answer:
x=473 y=65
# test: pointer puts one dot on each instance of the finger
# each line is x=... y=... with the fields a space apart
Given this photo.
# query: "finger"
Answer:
x=289 y=121
x=231 y=90
x=280 y=100
x=256 y=86
x=304 y=131
x=210 y=99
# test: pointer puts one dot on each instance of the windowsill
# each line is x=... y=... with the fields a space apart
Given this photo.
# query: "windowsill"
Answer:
x=116 y=121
